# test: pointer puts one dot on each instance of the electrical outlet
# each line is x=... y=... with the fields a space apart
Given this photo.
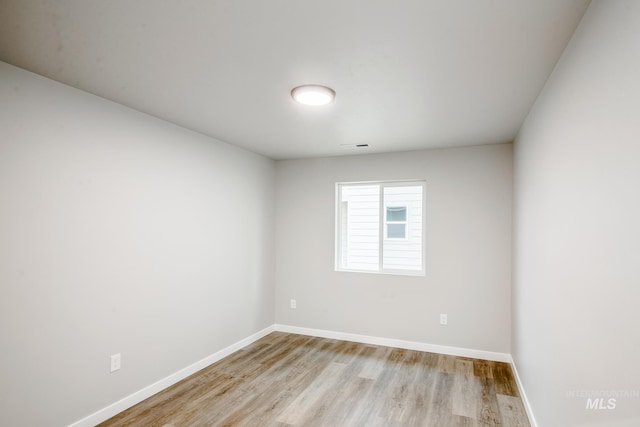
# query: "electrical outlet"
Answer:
x=443 y=319
x=293 y=303
x=115 y=362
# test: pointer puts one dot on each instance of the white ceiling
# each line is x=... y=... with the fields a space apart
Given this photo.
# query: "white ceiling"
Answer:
x=409 y=74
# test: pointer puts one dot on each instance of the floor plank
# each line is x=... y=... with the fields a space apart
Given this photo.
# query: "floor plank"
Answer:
x=512 y=411
x=289 y=380
x=504 y=379
x=466 y=390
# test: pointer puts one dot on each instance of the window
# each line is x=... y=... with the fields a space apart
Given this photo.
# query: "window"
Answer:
x=379 y=227
x=395 y=222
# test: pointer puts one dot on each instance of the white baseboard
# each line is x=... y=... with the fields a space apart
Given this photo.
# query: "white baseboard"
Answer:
x=137 y=397
x=390 y=342
x=523 y=395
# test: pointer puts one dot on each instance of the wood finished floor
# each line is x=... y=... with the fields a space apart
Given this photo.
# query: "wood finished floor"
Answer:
x=295 y=380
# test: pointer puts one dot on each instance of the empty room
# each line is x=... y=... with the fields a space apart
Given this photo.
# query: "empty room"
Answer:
x=336 y=213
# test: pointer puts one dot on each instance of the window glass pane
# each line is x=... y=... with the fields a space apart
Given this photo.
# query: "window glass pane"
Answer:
x=404 y=249
x=396 y=213
x=396 y=231
x=360 y=227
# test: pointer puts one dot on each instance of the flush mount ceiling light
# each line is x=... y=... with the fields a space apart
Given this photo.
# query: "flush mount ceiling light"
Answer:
x=313 y=94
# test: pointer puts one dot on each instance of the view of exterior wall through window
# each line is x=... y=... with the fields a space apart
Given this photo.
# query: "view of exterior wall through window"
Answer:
x=380 y=227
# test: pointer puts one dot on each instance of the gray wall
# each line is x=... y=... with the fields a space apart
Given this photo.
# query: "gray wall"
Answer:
x=468 y=250
x=119 y=233
x=576 y=315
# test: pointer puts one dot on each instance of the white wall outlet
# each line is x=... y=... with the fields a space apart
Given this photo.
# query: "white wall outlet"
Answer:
x=115 y=362
x=443 y=319
x=293 y=303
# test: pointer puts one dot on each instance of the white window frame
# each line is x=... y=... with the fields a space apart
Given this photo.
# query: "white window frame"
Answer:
x=382 y=209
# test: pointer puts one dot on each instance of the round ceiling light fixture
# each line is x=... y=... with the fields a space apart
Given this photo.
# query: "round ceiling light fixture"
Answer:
x=313 y=94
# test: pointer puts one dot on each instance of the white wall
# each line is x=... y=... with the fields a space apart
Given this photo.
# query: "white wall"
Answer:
x=468 y=250
x=119 y=233
x=577 y=231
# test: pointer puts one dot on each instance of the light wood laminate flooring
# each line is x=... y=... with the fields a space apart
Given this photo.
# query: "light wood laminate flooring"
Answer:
x=295 y=380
